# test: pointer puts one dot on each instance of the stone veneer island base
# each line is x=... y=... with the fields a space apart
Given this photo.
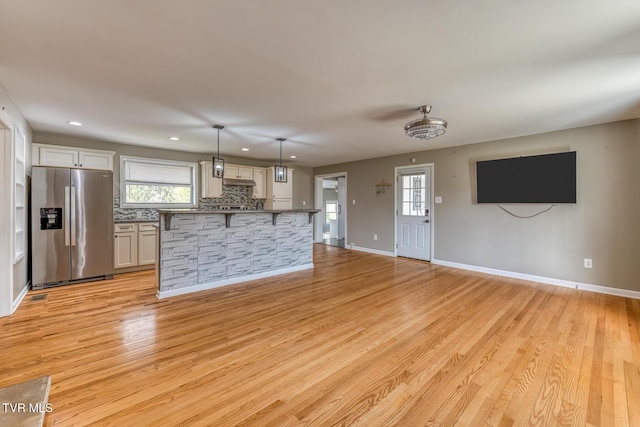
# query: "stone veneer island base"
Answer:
x=200 y=250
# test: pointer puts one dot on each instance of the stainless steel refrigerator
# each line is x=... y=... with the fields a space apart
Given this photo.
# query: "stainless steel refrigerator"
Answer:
x=71 y=225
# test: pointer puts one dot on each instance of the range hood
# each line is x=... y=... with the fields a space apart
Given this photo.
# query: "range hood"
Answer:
x=236 y=181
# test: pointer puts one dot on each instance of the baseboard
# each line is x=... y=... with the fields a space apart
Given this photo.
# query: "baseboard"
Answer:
x=541 y=279
x=23 y=293
x=371 y=251
x=226 y=282
x=134 y=268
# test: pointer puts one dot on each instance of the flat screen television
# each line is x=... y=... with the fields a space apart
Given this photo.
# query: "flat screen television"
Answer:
x=547 y=178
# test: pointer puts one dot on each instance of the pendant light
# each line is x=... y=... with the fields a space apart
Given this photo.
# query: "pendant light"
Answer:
x=218 y=163
x=280 y=170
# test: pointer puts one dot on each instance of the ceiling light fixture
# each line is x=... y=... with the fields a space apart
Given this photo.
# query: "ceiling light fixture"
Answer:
x=292 y=157
x=425 y=128
x=74 y=123
x=218 y=163
x=245 y=149
x=280 y=171
x=174 y=138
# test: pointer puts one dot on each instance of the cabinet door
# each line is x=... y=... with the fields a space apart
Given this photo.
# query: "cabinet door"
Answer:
x=231 y=171
x=95 y=160
x=260 y=177
x=277 y=204
x=209 y=186
x=50 y=156
x=125 y=250
x=245 y=172
x=146 y=247
x=280 y=190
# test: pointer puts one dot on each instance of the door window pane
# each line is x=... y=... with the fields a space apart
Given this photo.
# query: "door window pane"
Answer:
x=413 y=195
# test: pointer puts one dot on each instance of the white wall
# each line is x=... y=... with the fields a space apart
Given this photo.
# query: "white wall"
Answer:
x=14 y=279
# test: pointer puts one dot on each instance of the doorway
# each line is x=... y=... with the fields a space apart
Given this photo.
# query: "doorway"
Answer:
x=331 y=221
x=414 y=214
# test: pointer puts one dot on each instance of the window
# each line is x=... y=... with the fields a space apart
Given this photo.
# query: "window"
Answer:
x=153 y=183
x=331 y=209
x=413 y=195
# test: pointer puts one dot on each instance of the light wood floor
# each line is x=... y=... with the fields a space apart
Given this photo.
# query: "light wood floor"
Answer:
x=360 y=340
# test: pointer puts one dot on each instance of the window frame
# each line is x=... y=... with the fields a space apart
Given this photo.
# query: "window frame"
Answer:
x=157 y=162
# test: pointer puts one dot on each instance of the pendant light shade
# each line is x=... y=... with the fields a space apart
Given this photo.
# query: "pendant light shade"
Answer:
x=218 y=163
x=279 y=169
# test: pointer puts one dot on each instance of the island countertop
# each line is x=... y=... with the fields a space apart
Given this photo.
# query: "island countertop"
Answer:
x=234 y=211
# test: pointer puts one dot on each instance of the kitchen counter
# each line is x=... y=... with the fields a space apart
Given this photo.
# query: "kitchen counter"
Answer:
x=244 y=211
x=135 y=220
x=204 y=249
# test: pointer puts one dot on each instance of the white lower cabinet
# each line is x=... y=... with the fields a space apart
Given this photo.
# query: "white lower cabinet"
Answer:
x=146 y=244
x=134 y=245
x=125 y=245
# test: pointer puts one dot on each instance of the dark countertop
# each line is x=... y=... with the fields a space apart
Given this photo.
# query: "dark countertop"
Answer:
x=138 y=220
x=233 y=211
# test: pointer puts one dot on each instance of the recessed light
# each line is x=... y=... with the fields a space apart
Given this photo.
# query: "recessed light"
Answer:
x=174 y=138
x=245 y=149
x=292 y=157
x=74 y=123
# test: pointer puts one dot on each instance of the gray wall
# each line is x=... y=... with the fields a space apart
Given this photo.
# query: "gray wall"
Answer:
x=604 y=224
x=302 y=177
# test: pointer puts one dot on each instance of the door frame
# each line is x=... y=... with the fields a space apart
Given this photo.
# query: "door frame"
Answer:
x=432 y=216
x=7 y=305
x=317 y=228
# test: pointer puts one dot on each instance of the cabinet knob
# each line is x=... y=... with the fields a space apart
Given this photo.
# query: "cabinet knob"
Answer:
x=75 y=164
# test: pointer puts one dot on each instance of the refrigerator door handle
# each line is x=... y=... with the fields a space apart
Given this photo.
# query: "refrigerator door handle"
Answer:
x=73 y=216
x=67 y=223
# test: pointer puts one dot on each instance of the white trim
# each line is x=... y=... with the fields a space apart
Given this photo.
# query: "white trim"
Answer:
x=6 y=217
x=232 y=281
x=18 y=300
x=371 y=251
x=432 y=215
x=541 y=279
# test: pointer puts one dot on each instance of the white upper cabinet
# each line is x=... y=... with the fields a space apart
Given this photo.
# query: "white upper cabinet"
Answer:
x=279 y=190
x=238 y=172
x=72 y=157
x=209 y=186
x=260 y=177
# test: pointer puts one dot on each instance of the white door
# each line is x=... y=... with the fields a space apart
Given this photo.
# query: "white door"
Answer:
x=413 y=231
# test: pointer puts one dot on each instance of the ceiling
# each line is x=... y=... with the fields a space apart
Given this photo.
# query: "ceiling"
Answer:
x=337 y=78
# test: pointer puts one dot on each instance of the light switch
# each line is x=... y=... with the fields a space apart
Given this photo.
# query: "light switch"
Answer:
x=354 y=201
x=438 y=199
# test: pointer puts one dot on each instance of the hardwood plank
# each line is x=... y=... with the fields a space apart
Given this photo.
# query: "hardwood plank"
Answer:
x=362 y=339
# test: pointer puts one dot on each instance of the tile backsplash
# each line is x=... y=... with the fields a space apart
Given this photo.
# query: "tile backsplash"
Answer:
x=231 y=195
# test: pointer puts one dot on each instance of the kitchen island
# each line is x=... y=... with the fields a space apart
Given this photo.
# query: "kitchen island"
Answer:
x=204 y=249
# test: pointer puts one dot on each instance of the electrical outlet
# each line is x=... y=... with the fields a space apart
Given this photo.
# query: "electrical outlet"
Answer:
x=588 y=263
x=375 y=237
x=138 y=215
